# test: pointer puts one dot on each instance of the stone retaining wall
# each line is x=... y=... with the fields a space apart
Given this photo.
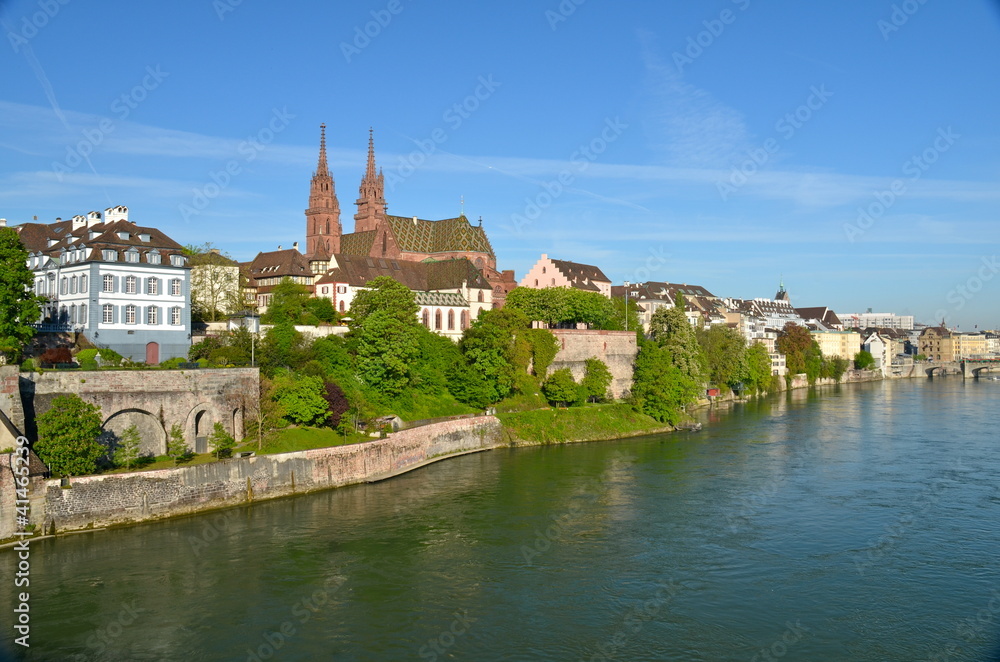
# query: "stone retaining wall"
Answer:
x=97 y=501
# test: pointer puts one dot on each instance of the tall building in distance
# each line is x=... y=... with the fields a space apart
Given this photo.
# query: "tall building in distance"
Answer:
x=323 y=215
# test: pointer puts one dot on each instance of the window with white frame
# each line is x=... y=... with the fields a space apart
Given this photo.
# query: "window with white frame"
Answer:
x=109 y=255
x=153 y=258
x=153 y=286
x=152 y=315
x=130 y=284
x=83 y=313
x=109 y=283
x=175 y=315
x=107 y=313
x=177 y=260
x=83 y=283
x=175 y=287
x=132 y=256
x=63 y=285
x=130 y=314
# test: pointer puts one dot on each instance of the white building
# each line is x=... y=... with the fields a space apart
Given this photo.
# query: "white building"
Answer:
x=870 y=320
x=450 y=294
x=880 y=349
x=123 y=286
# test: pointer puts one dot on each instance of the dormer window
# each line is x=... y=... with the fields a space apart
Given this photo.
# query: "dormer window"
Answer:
x=124 y=235
x=132 y=255
x=144 y=236
x=177 y=260
x=94 y=234
x=153 y=257
x=109 y=255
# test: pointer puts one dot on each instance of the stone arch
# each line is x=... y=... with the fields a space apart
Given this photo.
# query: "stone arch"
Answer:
x=198 y=426
x=154 y=437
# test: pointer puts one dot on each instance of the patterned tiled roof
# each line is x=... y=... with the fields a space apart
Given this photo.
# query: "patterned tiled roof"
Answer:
x=357 y=243
x=448 y=235
x=440 y=299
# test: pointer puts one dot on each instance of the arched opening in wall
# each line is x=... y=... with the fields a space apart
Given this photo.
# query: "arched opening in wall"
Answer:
x=201 y=431
x=152 y=436
x=237 y=428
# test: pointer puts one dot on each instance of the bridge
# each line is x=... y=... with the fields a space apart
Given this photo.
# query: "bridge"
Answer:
x=968 y=368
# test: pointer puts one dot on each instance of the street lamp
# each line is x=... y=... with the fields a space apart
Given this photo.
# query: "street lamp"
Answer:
x=626 y=305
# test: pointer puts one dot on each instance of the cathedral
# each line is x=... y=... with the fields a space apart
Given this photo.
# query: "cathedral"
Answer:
x=387 y=243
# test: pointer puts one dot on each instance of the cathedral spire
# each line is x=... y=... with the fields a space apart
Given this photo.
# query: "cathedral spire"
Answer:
x=321 y=168
x=371 y=194
x=323 y=215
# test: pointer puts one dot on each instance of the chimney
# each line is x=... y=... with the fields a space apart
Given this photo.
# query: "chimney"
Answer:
x=414 y=220
x=295 y=246
x=214 y=250
x=3 y=222
x=279 y=247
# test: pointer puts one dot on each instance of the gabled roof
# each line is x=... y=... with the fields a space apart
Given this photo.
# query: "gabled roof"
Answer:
x=581 y=276
x=417 y=235
x=661 y=291
x=357 y=270
x=52 y=239
x=357 y=243
x=278 y=264
x=821 y=313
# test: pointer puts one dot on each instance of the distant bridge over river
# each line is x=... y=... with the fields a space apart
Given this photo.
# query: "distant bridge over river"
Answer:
x=968 y=368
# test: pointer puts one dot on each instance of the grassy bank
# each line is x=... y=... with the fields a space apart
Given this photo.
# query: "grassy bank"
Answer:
x=591 y=423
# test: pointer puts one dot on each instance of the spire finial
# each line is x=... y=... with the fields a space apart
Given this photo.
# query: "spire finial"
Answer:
x=321 y=168
x=371 y=153
x=462 y=200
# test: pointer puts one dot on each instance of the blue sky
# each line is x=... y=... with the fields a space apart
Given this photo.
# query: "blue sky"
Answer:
x=725 y=143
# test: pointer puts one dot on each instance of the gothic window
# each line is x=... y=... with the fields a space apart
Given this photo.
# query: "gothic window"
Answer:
x=342 y=307
x=481 y=297
x=437 y=319
x=451 y=319
x=465 y=319
x=427 y=318
x=383 y=243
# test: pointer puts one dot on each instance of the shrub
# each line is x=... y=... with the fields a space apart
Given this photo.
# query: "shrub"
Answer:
x=561 y=388
x=57 y=355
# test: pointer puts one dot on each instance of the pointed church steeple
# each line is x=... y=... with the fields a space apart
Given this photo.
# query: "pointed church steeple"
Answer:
x=323 y=215
x=371 y=193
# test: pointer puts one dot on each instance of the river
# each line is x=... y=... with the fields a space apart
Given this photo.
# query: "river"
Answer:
x=847 y=523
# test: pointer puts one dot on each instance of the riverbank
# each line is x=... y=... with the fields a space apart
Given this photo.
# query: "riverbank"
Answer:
x=109 y=500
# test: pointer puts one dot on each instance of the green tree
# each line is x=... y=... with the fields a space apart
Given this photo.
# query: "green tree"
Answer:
x=564 y=305
x=864 y=360
x=387 y=296
x=596 y=380
x=177 y=447
x=127 y=451
x=793 y=341
x=671 y=330
x=19 y=307
x=758 y=368
x=544 y=348
x=725 y=351
x=216 y=284
x=301 y=399
x=560 y=388
x=660 y=389
x=67 y=436
x=288 y=302
x=494 y=347
x=222 y=442
x=264 y=411
x=387 y=346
